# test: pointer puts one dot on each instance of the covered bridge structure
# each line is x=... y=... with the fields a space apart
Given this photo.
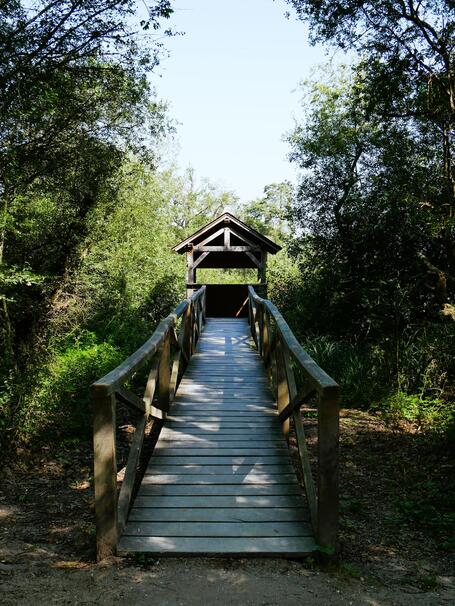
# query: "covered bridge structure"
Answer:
x=226 y=243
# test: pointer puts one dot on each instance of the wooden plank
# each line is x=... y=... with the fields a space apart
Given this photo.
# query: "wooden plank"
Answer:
x=220 y=443
x=249 y=391
x=215 y=395
x=305 y=466
x=234 y=434
x=282 y=384
x=242 y=471
x=208 y=398
x=208 y=424
x=219 y=452
x=130 y=399
x=214 y=479
x=151 y=384
x=221 y=437
x=231 y=514
x=222 y=407
x=220 y=501
x=271 y=546
x=212 y=422
x=222 y=460
x=223 y=379
x=219 y=490
x=218 y=529
x=201 y=413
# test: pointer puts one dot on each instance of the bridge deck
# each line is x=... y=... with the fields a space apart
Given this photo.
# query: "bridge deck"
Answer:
x=220 y=480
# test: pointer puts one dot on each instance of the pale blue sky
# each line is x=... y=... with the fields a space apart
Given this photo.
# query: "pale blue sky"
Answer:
x=231 y=83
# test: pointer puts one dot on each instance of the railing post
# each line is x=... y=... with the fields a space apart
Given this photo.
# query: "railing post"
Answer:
x=266 y=342
x=282 y=388
x=260 y=332
x=204 y=306
x=164 y=377
x=328 y=491
x=105 y=475
x=187 y=332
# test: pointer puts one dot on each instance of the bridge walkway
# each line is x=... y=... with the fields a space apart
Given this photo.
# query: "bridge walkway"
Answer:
x=220 y=480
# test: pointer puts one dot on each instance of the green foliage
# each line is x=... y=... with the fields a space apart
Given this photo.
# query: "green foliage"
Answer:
x=123 y=280
x=58 y=403
x=428 y=413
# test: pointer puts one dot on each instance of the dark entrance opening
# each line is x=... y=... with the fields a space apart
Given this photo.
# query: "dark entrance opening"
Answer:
x=226 y=300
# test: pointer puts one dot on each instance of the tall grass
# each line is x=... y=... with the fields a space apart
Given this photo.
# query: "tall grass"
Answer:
x=409 y=377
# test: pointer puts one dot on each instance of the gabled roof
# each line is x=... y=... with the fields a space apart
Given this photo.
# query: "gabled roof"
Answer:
x=239 y=228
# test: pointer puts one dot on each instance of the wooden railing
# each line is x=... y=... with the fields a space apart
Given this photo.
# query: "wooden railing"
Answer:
x=165 y=373
x=296 y=379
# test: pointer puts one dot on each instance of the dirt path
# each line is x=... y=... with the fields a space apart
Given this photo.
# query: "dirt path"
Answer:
x=389 y=556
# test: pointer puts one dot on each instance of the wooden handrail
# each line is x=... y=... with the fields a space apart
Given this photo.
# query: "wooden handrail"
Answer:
x=108 y=384
x=111 y=511
x=281 y=351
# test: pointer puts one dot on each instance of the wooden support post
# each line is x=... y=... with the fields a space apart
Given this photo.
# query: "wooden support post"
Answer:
x=105 y=475
x=328 y=497
x=266 y=342
x=281 y=383
x=190 y=272
x=227 y=237
x=187 y=333
x=164 y=377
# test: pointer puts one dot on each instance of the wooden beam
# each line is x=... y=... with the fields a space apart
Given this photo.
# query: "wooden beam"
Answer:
x=227 y=249
x=328 y=491
x=212 y=237
x=254 y=259
x=126 y=491
x=282 y=386
x=227 y=237
x=130 y=399
x=164 y=376
x=303 y=396
x=150 y=387
x=105 y=475
x=200 y=259
x=244 y=238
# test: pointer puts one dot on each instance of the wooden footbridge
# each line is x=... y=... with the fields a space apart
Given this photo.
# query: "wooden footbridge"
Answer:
x=226 y=392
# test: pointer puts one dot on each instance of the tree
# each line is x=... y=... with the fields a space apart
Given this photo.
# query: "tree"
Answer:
x=72 y=74
x=362 y=208
x=408 y=64
x=74 y=100
x=192 y=203
x=271 y=214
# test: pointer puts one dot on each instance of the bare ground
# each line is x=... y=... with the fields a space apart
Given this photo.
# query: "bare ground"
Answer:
x=397 y=491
